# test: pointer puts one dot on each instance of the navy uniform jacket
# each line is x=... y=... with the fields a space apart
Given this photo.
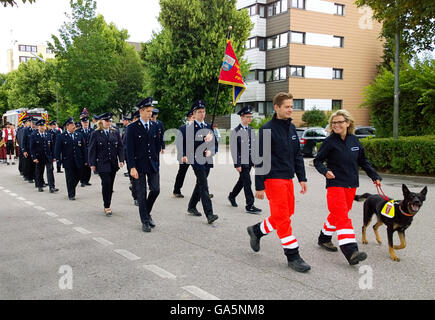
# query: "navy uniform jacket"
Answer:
x=245 y=141
x=71 y=151
x=42 y=147
x=87 y=137
x=199 y=135
x=343 y=158
x=25 y=139
x=286 y=157
x=160 y=134
x=19 y=137
x=142 y=147
x=105 y=150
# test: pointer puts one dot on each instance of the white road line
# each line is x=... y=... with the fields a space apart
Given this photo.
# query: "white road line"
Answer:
x=51 y=214
x=30 y=203
x=39 y=208
x=1 y=188
x=65 y=221
x=21 y=199
x=204 y=295
x=103 y=241
x=13 y=194
x=82 y=230
x=162 y=273
x=127 y=254
x=6 y=190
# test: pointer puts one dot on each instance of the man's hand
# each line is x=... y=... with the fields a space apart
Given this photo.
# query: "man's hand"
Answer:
x=239 y=169
x=36 y=161
x=134 y=173
x=208 y=137
x=121 y=164
x=207 y=153
x=259 y=194
x=329 y=175
x=25 y=154
x=93 y=168
x=303 y=186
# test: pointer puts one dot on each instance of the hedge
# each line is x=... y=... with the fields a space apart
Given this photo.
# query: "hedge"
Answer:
x=406 y=155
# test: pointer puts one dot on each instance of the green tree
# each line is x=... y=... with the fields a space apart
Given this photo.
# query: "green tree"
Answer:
x=4 y=85
x=183 y=61
x=12 y=3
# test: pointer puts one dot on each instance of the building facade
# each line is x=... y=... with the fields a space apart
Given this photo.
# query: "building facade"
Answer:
x=323 y=52
x=23 y=51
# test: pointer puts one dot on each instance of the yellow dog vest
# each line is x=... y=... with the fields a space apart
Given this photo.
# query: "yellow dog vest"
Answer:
x=388 y=209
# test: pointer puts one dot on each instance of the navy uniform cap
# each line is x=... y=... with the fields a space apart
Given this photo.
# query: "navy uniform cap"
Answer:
x=95 y=117
x=245 y=110
x=40 y=122
x=68 y=121
x=189 y=113
x=126 y=118
x=198 y=104
x=52 y=123
x=84 y=119
x=78 y=124
x=147 y=102
x=155 y=111
x=135 y=114
x=106 y=116
x=27 y=119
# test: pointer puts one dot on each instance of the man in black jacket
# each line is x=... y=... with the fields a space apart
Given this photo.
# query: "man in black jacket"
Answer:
x=284 y=160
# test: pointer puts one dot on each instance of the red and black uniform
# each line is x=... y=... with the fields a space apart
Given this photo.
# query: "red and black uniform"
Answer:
x=284 y=160
x=343 y=158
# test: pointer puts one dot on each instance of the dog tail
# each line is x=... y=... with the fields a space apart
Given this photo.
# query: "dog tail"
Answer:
x=362 y=197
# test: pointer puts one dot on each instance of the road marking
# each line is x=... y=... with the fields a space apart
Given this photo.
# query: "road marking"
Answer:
x=1 y=188
x=51 y=214
x=127 y=254
x=30 y=203
x=204 y=295
x=39 y=208
x=13 y=194
x=82 y=230
x=103 y=241
x=21 y=199
x=6 y=190
x=65 y=221
x=162 y=273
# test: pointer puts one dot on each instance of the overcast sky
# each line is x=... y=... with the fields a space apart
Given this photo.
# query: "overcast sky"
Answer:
x=38 y=21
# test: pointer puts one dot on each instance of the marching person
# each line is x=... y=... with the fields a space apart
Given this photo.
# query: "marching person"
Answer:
x=86 y=132
x=143 y=160
x=125 y=122
x=242 y=140
x=42 y=153
x=134 y=117
x=54 y=132
x=285 y=160
x=343 y=153
x=181 y=155
x=9 y=138
x=197 y=135
x=28 y=164
x=160 y=130
x=70 y=147
x=105 y=152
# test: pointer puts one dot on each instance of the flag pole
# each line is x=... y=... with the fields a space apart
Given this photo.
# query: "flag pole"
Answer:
x=218 y=87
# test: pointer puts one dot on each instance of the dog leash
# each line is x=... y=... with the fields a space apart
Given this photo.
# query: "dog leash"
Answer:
x=381 y=192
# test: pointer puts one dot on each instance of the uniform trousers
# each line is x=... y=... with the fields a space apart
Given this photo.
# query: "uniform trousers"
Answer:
x=280 y=193
x=179 y=179
x=340 y=202
x=28 y=168
x=244 y=183
x=40 y=167
x=200 y=192
x=107 y=181
x=85 y=174
x=72 y=176
x=146 y=203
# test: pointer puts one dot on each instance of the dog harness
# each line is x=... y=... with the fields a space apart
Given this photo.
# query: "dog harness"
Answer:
x=388 y=210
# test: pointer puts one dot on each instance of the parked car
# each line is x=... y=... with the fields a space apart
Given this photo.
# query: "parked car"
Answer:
x=363 y=132
x=309 y=137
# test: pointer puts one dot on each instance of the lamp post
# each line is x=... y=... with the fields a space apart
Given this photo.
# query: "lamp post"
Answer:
x=57 y=88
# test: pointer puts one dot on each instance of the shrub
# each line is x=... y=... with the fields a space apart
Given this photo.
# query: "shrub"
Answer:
x=315 y=118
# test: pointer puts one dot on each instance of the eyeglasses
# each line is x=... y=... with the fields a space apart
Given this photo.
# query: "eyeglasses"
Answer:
x=337 y=122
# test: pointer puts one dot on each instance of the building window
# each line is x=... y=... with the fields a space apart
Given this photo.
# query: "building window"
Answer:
x=269 y=107
x=49 y=51
x=339 y=9
x=283 y=40
x=337 y=74
x=25 y=59
x=297 y=37
x=261 y=108
x=271 y=42
x=250 y=43
x=262 y=11
x=298 y=104
x=276 y=7
x=278 y=41
x=297 y=71
x=337 y=104
x=260 y=76
x=338 y=41
x=27 y=48
x=261 y=44
x=276 y=74
x=250 y=76
x=300 y=4
x=252 y=10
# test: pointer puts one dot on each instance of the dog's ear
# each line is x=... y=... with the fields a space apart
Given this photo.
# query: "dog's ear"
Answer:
x=424 y=192
x=405 y=190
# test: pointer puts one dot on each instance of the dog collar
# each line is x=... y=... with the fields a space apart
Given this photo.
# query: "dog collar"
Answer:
x=403 y=212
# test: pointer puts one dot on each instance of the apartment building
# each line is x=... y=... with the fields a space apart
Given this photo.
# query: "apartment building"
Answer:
x=324 y=52
x=23 y=51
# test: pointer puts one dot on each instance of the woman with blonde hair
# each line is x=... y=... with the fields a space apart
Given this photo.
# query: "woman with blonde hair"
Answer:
x=343 y=154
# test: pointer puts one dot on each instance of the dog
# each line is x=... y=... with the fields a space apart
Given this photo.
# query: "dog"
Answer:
x=396 y=215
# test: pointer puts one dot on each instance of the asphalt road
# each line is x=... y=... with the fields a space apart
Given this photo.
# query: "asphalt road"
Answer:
x=53 y=248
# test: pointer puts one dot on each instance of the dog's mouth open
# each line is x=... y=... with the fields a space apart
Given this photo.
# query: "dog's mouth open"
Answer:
x=413 y=207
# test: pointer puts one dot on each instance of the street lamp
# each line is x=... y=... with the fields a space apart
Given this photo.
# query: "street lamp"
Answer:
x=57 y=88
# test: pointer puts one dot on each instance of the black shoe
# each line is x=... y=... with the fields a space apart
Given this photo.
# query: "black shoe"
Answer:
x=298 y=264
x=232 y=201
x=72 y=198
x=254 y=239
x=252 y=209
x=146 y=227
x=136 y=203
x=178 y=195
x=211 y=218
x=8 y=163
x=40 y=190
x=108 y=212
x=152 y=223
x=53 y=190
x=211 y=195
x=328 y=246
x=194 y=212
x=45 y=184
x=357 y=257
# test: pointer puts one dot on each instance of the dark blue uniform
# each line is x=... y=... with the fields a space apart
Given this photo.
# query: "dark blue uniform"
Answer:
x=105 y=149
x=70 y=148
x=160 y=134
x=183 y=167
x=86 y=170
x=28 y=164
x=55 y=133
x=42 y=149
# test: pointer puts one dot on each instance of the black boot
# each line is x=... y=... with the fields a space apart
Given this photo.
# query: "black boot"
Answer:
x=325 y=242
x=352 y=254
x=255 y=236
x=295 y=261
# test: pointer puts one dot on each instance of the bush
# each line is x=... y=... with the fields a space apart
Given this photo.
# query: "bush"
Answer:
x=315 y=118
x=407 y=155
